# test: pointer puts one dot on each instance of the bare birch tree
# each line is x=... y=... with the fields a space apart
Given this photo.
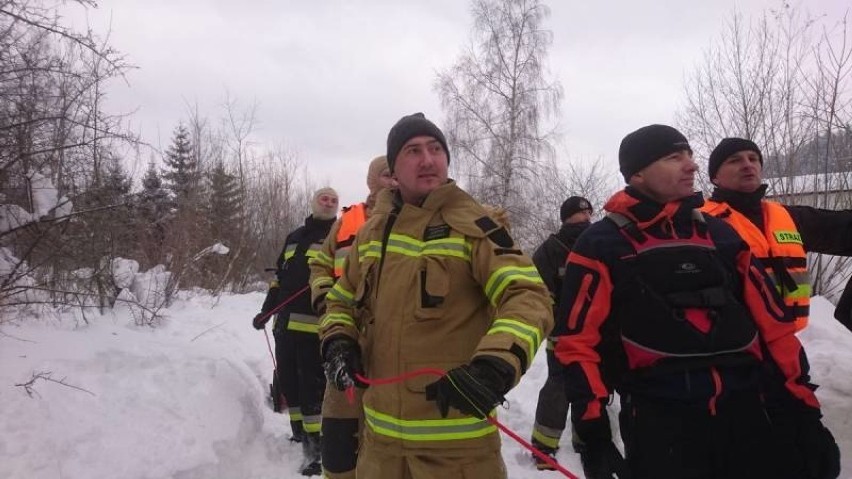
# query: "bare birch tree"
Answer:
x=783 y=81
x=499 y=107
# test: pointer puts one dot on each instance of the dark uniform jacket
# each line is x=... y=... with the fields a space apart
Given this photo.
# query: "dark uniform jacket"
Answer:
x=670 y=304
x=292 y=273
x=550 y=257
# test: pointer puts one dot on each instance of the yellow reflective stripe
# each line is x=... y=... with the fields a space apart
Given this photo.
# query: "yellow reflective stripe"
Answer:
x=340 y=256
x=501 y=278
x=295 y=413
x=531 y=335
x=454 y=247
x=541 y=435
x=427 y=429
x=321 y=281
x=373 y=249
x=312 y=423
x=289 y=251
x=802 y=292
x=337 y=318
x=304 y=323
x=321 y=259
x=408 y=246
x=341 y=294
x=303 y=328
x=311 y=253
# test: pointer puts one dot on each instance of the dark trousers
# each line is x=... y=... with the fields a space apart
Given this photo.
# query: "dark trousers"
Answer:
x=552 y=410
x=672 y=440
x=301 y=377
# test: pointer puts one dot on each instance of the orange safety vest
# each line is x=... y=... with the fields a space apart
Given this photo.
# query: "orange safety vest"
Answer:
x=351 y=221
x=779 y=247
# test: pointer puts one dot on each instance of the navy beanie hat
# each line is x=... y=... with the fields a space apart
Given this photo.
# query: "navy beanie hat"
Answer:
x=409 y=127
x=647 y=145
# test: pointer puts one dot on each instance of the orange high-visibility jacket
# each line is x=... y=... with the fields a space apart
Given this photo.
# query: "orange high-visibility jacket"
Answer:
x=779 y=247
x=327 y=266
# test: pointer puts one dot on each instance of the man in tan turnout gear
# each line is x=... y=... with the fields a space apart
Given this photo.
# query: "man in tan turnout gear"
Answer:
x=341 y=420
x=432 y=281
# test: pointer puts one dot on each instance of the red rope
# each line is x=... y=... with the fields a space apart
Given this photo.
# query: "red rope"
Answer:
x=350 y=393
x=286 y=301
x=275 y=310
x=271 y=354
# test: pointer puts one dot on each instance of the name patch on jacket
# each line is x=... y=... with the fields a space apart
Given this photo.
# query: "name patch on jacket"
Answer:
x=787 y=237
x=436 y=232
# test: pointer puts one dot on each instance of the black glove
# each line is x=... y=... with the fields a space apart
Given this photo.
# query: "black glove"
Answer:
x=807 y=444
x=474 y=388
x=259 y=321
x=599 y=456
x=342 y=358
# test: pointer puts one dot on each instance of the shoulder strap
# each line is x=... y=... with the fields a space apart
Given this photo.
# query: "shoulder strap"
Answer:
x=628 y=226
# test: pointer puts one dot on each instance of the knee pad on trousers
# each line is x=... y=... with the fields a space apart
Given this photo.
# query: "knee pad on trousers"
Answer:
x=339 y=444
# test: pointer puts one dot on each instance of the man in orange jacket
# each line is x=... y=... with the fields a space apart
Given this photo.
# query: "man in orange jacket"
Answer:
x=780 y=236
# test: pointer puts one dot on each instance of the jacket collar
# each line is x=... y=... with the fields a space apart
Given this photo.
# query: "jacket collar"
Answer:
x=645 y=212
x=391 y=200
x=569 y=232
x=312 y=223
x=742 y=202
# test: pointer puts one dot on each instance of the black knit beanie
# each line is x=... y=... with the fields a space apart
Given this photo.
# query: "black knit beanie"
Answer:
x=647 y=145
x=407 y=128
x=725 y=149
x=573 y=205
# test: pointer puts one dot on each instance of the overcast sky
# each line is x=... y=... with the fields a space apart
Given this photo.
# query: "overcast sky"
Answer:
x=331 y=77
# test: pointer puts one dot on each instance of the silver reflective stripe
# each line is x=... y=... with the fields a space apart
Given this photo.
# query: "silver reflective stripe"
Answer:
x=305 y=323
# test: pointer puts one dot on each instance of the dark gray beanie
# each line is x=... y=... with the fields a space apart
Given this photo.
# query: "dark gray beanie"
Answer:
x=573 y=204
x=727 y=148
x=409 y=127
x=647 y=145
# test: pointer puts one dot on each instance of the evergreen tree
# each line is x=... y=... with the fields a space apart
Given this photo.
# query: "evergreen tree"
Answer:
x=153 y=208
x=153 y=203
x=182 y=169
x=224 y=205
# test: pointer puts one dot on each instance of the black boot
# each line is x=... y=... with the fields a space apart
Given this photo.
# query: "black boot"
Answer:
x=540 y=463
x=298 y=431
x=311 y=465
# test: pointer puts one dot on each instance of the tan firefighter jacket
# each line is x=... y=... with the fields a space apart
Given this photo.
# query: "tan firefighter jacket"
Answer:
x=453 y=286
x=327 y=265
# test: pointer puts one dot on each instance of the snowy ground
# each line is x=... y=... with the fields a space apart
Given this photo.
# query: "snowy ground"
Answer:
x=187 y=400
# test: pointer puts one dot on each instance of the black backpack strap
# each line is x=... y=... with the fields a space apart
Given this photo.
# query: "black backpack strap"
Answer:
x=628 y=226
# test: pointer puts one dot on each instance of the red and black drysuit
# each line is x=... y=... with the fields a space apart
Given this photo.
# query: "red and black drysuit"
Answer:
x=300 y=373
x=551 y=412
x=667 y=306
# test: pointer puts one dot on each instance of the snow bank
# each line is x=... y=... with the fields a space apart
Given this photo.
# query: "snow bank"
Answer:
x=188 y=400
